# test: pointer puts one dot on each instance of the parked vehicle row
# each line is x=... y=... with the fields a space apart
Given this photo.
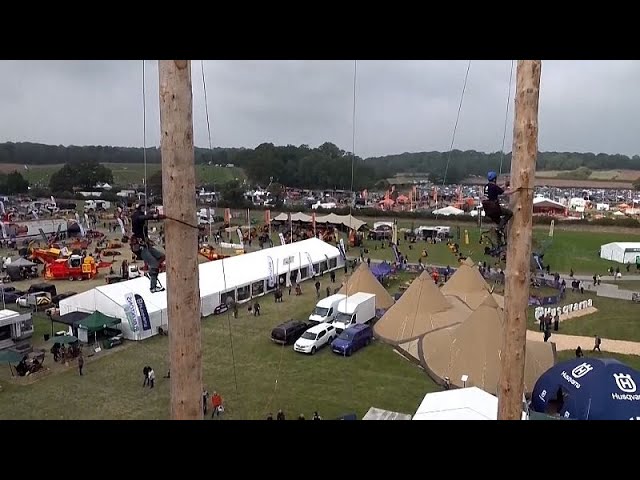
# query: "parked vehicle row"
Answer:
x=339 y=321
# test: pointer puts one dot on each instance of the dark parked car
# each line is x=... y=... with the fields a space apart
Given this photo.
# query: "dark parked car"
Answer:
x=288 y=332
x=10 y=294
x=50 y=288
x=352 y=339
x=56 y=299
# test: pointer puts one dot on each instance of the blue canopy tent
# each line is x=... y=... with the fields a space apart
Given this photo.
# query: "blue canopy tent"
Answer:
x=589 y=389
x=381 y=270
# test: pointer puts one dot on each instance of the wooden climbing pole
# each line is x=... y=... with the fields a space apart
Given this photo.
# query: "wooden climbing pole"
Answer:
x=523 y=171
x=181 y=231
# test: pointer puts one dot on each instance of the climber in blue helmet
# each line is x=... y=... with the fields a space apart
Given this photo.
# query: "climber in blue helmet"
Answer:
x=491 y=203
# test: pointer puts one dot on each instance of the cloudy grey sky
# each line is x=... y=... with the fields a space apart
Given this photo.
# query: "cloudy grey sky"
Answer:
x=400 y=105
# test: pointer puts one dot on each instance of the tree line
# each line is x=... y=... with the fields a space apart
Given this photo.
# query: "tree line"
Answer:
x=462 y=164
x=326 y=166
x=39 y=154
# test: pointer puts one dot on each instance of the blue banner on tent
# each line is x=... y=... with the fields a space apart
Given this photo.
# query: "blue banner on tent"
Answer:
x=144 y=315
x=589 y=389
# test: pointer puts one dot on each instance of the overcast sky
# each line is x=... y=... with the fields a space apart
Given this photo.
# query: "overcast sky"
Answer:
x=400 y=105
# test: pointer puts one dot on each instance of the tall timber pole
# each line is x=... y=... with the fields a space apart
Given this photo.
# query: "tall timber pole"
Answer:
x=178 y=185
x=523 y=171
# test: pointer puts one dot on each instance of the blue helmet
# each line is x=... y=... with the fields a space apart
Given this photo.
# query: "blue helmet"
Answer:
x=491 y=176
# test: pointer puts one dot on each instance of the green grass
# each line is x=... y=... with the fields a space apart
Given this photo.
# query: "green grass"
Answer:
x=125 y=173
x=615 y=319
x=569 y=248
x=632 y=360
x=333 y=385
x=633 y=285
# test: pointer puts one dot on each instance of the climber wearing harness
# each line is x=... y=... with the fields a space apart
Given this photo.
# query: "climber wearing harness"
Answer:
x=143 y=248
x=491 y=204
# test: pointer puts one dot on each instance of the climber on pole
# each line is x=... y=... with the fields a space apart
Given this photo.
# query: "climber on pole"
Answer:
x=491 y=205
x=143 y=247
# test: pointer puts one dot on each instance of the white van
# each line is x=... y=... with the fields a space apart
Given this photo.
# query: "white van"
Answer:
x=326 y=309
x=357 y=308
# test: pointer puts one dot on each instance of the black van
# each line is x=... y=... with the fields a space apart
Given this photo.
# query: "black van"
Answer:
x=288 y=332
x=43 y=287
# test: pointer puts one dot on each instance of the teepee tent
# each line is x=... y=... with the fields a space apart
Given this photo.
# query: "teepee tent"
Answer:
x=473 y=349
x=421 y=309
x=363 y=280
x=468 y=285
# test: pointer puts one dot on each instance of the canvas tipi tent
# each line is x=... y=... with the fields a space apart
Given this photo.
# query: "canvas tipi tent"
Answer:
x=421 y=309
x=468 y=285
x=473 y=349
x=363 y=280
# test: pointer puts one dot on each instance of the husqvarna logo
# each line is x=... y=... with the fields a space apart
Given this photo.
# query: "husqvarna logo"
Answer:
x=542 y=395
x=624 y=382
x=581 y=370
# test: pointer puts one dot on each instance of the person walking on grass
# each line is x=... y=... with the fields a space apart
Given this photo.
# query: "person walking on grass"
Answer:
x=205 y=400
x=597 y=343
x=216 y=403
x=317 y=285
x=80 y=363
x=152 y=377
x=145 y=372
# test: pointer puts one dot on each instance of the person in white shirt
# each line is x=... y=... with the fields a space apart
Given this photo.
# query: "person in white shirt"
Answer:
x=152 y=377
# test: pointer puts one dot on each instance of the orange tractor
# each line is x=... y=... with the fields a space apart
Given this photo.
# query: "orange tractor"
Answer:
x=73 y=268
x=210 y=253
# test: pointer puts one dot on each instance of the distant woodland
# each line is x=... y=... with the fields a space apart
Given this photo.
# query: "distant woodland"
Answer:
x=326 y=166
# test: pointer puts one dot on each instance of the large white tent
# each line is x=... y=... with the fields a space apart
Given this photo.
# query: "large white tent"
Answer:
x=245 y=277
x=446 y=211
x=470 y=403
x=621 y=252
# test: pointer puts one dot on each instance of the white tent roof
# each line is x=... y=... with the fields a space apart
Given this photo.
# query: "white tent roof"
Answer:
x=448 y=211
x=469 y=403
x=346 y=220
x=295 y=217
x=238 y=271
x=622 y=245
x=380 y=414
x=546 y=202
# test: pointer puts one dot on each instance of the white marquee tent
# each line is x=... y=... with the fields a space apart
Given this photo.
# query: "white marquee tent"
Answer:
x=621 y=252
x=470 y=403
x=446 y=211
x=246 y=276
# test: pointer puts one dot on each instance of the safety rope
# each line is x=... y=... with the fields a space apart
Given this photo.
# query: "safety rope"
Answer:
x=144 y=133
x=224 y=277
x=506 y=117
x=455 y=127
x=206 y=109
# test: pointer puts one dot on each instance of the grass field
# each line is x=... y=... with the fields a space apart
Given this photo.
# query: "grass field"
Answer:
x=333 y=385
x=633 y=285
x=569 y=249
x=572 y=246
x=615 y=319
x=632 y=360
x=126 y=173
x=375 y=376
